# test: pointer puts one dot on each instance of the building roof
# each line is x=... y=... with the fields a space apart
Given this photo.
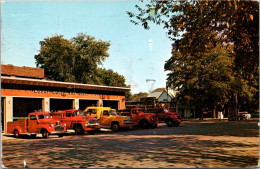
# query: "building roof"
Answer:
x=155 y=94
x=171 y=93
x=49 y=83
x=29 y=72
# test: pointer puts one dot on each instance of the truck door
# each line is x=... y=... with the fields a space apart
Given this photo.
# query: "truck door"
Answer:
x=135 y=116
x=104 y=118
x=160 y=114
x=68 y=119
x=32 y=123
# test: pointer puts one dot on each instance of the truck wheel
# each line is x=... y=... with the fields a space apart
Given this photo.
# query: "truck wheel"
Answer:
x=144 y=124
x=169 y=123
x=91 y=132
x=45 y=134
x=154 y=126
x=176 y=124
x=79 y=130
x=126 y=128
x=33 y=135
x=16 y=134
x=115 y=127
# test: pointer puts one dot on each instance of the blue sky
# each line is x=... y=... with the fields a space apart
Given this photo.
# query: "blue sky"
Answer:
x=136 y=53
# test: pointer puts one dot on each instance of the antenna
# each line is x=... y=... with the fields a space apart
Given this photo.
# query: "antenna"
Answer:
x=153 y=81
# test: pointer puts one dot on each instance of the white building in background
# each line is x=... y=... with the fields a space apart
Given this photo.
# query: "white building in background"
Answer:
x=186 y=111
x=163 y=96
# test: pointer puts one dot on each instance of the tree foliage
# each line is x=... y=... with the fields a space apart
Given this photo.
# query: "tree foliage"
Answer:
x=110 y=78
x=77 y=60
x=215 y=55
x=138 y=96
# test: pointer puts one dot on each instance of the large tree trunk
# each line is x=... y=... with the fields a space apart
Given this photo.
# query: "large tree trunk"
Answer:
x=214 y=112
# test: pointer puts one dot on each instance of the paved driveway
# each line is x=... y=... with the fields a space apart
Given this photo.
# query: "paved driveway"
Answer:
x=218 y=144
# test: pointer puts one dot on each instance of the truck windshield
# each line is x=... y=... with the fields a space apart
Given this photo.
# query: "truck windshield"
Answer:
x=78 y=113
x=113 y=112
x=43 y=116
x=91 y=111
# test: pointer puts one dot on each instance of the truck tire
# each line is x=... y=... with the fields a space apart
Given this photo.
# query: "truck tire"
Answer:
x=45 y=133
x=79 y=130
x=91 y=132
x=169 y=123
x=176 y=124
x=33 y=135
x=16 y=134
x=154 y=126
x=126 y=128
x=115 y=127
x=144 y=124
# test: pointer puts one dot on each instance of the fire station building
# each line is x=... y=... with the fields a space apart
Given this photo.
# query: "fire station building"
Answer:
x=25 y=89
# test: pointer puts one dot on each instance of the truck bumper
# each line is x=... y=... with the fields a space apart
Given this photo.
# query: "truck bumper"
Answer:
x=57 y=132
x=92 y=127
x=127 y=125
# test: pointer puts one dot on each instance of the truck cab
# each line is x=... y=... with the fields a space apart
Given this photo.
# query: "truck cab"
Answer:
x=109 y=118
x=76 y=120
x=36 y=123
x=143 y=119
x=170 y=118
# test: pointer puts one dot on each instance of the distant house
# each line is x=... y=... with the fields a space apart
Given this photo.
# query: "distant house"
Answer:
x=163 y=95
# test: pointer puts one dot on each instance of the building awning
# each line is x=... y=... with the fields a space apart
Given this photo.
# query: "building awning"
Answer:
x=49 y=83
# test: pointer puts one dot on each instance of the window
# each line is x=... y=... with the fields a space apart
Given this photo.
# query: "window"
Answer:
x=160 y=110
x=33 y=117
x=134 y=112
x=43 y=116
x=78 y=113
x=68 y=114
x=113 y=112
x=105 y=113
x=92 y=111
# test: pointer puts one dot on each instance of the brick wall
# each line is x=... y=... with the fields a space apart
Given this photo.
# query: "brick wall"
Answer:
x=22 y=71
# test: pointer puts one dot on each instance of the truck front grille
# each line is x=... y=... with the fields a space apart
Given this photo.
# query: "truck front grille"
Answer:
x=59 y=128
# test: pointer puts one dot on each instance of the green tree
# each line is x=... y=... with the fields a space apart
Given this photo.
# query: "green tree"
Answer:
x=77 y=60
x=110 y=78
x=196 y=29
x=138 y=96
x=74 y=60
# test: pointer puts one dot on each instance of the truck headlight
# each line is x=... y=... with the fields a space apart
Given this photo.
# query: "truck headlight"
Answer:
x=65 y=124
x=51 y=125
x=86 y=124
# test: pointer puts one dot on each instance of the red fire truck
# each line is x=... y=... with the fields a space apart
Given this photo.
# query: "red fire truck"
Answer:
x=36 y=123
x=143 y=119
x=76 y=120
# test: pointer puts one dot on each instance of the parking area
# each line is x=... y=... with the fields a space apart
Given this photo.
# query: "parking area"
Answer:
x=218 y=144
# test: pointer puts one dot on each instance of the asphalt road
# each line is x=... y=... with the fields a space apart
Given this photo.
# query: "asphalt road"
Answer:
x=214 y=144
